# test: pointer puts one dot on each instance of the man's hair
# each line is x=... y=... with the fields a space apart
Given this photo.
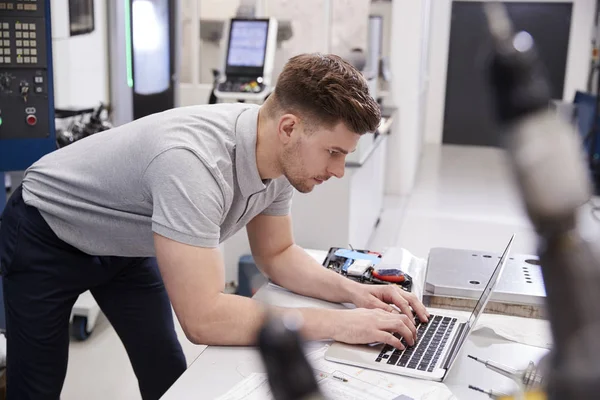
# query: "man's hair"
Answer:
x=325 y=90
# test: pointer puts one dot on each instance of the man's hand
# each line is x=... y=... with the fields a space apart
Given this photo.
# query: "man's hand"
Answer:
x=383 y=296
x=362 y=326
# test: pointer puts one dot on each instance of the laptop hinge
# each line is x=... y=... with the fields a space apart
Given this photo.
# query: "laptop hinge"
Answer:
x=455 y=346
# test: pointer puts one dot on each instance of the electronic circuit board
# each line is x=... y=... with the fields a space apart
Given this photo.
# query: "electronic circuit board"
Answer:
x=361 y=266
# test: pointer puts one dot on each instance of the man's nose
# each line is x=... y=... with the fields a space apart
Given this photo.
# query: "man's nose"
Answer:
x=338 y=168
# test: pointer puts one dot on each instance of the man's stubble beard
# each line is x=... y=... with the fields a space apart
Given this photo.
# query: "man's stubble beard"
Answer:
x=293 y=169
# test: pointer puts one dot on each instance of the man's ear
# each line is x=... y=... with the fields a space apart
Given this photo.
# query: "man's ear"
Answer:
x=287 y=127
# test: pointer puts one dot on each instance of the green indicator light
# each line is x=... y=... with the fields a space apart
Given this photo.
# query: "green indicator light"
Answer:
x=128 y=43
x=0 y=121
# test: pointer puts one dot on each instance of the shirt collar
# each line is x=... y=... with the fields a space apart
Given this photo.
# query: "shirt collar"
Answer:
x=248 y=177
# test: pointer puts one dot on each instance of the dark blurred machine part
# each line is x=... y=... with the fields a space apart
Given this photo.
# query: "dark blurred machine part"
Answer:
x=78 y=124
x=548 y=163
x=144 y=57
x=290 y=375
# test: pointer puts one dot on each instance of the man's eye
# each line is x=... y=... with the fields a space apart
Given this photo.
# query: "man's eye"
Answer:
x=332 y=152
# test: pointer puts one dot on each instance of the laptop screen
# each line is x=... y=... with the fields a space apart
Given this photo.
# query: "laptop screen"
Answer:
x=483 y=300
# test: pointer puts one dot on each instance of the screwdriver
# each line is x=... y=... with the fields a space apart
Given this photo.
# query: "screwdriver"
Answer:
x=491 y=393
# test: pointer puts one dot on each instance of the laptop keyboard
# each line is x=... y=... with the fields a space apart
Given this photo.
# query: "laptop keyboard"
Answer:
x=423 y=356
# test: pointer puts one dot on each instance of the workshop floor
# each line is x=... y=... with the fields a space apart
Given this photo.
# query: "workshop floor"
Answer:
x=462 y=194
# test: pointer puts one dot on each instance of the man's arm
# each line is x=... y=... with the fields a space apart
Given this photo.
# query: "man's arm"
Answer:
x=288 y=265
x=194 y=278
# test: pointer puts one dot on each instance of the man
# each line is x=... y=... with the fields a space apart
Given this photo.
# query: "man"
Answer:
x=96 y=215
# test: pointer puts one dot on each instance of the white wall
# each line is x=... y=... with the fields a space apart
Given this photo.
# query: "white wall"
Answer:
x=407 y=64
x=576 y=74
x=81 y=73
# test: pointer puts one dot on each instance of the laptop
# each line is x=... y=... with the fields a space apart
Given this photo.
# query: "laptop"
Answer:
x=438 y=342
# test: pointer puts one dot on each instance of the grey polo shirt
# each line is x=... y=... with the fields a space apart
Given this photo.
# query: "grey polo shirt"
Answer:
x=189 y=174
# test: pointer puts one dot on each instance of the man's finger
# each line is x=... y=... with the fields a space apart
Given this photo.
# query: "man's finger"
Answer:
x=388 y=338
x=408 y=321
x=416 y=305
x=401 y=303
x=410 y=324
x=398 y=325
x=384 y=306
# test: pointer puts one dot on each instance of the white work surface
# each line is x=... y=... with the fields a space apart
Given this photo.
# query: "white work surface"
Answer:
x=218 y=369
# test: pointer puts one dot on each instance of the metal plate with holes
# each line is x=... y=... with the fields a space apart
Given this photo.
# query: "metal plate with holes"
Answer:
x=464 y=274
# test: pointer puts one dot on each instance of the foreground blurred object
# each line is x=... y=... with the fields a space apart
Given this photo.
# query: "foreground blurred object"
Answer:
x=290 y=375
x=530 y=378
x=549 y=165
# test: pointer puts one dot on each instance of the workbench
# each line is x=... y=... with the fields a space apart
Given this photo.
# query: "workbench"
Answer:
x=218 y=369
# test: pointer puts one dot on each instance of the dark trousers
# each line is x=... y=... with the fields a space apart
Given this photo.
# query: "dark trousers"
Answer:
x=42 y=277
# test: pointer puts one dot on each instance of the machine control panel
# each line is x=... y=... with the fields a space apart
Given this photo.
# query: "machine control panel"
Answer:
x=25 y=102
x=242 y=85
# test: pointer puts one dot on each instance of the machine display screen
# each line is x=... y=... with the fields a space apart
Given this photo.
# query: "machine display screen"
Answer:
x=247 y=43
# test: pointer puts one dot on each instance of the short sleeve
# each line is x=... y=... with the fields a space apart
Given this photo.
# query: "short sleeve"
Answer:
x=187 y=199
x=282 y=204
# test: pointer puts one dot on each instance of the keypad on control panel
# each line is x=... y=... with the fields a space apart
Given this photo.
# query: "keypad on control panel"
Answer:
x=20 y=5
x=26 y=43
x=5 y=39
x=19 y=37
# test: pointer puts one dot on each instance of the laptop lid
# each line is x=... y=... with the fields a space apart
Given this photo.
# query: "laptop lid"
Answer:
x=481 y=304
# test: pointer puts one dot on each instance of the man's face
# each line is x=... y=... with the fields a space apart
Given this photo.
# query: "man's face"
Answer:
x=310 y=158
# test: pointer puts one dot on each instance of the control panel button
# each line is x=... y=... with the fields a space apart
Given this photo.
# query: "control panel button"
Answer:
x=6 y=34
x=34 y=52
x=18 y=26
x=1 y=60
x=27 y=60
x=31 y=120
x=18 y=34
x=2 y=6
x=19 y=6
x=26 y=52
x=33 y=43
x=39 y=89
x=32 y=35
x=10 y=6
x=39 y=79
x=19 y=43
x=7 y=52
x=5 y=25
x=25 y=35
x=34 y=60
x=19 y=60
x=6 y=43
x=7 y=60
x=25 y=43
x=19 y=52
